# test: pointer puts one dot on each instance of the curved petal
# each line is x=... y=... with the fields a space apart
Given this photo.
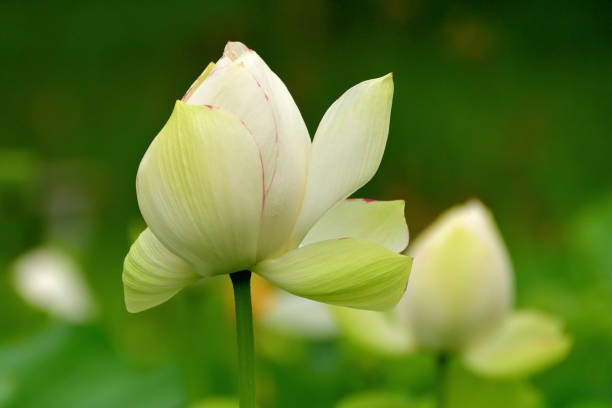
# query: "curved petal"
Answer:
x=345 y=272
x=382 y=222
x=242 y=84
x=347 y=148
x=200 y=189
x=375 y=331
x=152 y=274
x=523 y=344
x=235 y=90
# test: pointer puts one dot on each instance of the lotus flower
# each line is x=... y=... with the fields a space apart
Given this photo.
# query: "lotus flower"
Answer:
x=459 y=301
x=48 y=279
x=232 y=182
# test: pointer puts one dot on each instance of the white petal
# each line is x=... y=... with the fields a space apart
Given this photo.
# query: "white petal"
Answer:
x=347 y=148
x=243 y=84
x=200 y=189
x=382 y=222
x=235 y=89
x=199 y=81
x=152 y=274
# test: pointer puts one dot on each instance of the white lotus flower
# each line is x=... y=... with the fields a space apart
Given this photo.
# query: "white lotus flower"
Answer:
x=232 y=182
x=459 y=300
x=49 y=280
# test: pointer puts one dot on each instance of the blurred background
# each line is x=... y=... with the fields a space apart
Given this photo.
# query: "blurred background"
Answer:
x=505 y=101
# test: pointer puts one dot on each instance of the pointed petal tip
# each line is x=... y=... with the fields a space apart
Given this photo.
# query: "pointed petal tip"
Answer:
x=474 y=203
x=235 y=49
x=385 y=82
x=387 y=78
x=198 y=82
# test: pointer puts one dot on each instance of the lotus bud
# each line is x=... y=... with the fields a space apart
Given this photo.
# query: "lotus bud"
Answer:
x=461 y=283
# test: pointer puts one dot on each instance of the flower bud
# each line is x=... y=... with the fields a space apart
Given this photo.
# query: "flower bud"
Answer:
x=461 y=283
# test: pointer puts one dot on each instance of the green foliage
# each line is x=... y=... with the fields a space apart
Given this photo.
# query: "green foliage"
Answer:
x=468 y=390
x=378 y=399
x=63 y=367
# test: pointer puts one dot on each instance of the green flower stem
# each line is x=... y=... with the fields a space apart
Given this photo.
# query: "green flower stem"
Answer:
x=442 y=361
x=244 y=328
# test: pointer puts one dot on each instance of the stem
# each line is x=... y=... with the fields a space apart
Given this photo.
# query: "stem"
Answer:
x=441 y=379
x=244 y=328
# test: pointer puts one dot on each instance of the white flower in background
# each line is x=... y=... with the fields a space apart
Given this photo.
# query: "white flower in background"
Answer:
x=232 y=182
x=49 y=280
x=459 y=300
x=299 y=316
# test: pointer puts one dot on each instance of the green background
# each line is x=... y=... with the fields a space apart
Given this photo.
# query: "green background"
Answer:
x=508 y=102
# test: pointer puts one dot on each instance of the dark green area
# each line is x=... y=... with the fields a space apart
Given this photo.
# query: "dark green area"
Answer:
x=509 y=102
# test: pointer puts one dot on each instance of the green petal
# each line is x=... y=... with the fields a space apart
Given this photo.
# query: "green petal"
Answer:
x=200 y=189
x=345 y=272
x=347 y=148
x=152 y=274
x=525 y=343
x=382 y=222
x=375 y=331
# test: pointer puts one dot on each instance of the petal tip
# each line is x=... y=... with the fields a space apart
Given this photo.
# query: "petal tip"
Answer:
x=387 y=78
x=234 y=50
x=385 y=83
x=131 y=309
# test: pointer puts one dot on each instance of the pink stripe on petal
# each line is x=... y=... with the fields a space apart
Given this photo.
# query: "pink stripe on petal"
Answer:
x=275 y=119
x=365 y=200
x=263 y=171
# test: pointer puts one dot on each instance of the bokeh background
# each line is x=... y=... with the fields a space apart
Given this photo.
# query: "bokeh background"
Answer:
x=505 y=101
